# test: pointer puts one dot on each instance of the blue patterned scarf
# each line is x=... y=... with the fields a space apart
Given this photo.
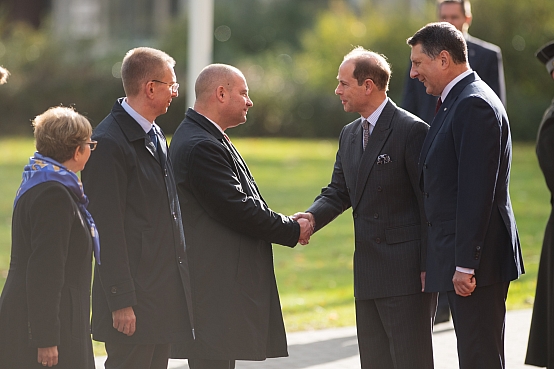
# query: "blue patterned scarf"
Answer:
x=43 y=169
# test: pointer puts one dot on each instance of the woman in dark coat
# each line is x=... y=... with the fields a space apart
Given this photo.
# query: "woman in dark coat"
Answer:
x=540 y=349
x=45 y=304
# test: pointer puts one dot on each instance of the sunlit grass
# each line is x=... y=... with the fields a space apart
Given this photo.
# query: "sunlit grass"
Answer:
x=315 y=281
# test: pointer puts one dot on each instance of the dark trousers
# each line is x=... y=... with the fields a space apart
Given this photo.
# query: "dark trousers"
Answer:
x=125 y=356
x=443 y=309
x=479 y=323
x=395 y=332
x=211 y=364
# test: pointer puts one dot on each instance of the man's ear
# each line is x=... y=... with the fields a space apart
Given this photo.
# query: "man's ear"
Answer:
x=221 y=93
x=149 y=89
x=369 y=85
x=445 y=59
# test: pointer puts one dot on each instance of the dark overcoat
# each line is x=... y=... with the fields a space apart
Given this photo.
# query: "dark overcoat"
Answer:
x=134 y=203
x=229 y=229
x=540 y=349
x=46 y=299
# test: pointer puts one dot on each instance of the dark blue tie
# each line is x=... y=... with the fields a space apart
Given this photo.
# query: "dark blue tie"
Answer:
x=153 y=137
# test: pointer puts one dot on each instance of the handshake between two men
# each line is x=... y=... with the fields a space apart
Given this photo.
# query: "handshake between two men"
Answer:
x=307 y=226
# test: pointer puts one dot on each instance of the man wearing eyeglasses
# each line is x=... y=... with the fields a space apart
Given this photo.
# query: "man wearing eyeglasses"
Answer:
x=138 y=300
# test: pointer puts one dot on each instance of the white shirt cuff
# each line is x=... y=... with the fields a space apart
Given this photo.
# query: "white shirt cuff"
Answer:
x=465 y=270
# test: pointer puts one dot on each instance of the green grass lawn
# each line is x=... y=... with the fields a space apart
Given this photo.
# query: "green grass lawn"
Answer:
x=315 y=281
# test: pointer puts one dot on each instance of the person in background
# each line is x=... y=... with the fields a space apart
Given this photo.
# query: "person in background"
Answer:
x=473 y=248
x=139 y=304
x=540 y=348
x=375 y=174
x=229 y=230
x=45 y=304
x=484 y=58
x=4 y=74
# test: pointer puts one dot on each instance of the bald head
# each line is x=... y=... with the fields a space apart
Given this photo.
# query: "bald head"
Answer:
x=213 y=76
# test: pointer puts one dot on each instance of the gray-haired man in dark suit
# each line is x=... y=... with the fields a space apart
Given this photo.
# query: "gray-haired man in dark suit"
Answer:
x=375 y=174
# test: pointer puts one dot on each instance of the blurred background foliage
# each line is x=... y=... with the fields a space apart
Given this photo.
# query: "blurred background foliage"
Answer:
x=289 y=51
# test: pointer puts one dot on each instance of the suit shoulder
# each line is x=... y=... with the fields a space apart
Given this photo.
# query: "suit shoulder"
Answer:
x=190 y=137
x=483 y=46
x=410 y=119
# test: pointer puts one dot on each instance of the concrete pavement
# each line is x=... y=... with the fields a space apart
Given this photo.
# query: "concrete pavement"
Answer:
x=337 y=348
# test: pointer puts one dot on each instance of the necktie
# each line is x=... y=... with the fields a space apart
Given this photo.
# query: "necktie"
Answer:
x=439 y=103
x=365 y=126
x=153 y=137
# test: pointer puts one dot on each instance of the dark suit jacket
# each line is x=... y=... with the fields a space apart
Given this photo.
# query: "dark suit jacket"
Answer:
x=540 y=349
x=133 y=200
x=465 y=170
x=389 y=225
x=46 y=299
x=229 y=229
x=484 y=58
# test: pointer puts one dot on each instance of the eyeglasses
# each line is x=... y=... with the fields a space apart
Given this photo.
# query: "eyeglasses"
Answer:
x=174 y=87
x=92 y=145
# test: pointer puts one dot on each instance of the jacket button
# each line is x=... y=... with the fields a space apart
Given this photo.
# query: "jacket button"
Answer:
x=478 y=248
x=425 y=194
x=379 y=188
x=424 y=166
x=355 y=215
x=376 y=215
x=174 y=216
x=429 y=224
x=378 y=240
x=113 y=290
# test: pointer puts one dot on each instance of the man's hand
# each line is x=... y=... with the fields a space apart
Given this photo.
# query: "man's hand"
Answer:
x=48 y=356
x=307 y=226
x=464 y=283
x=124 y=320
x=306 y=230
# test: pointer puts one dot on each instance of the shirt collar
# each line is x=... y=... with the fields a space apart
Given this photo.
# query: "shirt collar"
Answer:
x=452 y=83
x=372 y=119
x=214 y=123
x=143 y=122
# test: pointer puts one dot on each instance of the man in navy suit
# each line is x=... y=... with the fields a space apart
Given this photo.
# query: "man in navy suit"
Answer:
x=484 y=58
x=464 y=167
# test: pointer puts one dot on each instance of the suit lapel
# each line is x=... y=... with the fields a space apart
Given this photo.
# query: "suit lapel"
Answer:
x=132 y=130
x=440 y=118
x=375 y=144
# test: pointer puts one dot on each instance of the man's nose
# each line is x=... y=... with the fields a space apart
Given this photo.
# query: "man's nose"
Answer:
x=413 y=73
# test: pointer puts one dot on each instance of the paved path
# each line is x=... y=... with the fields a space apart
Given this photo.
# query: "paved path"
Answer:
x=337 y=348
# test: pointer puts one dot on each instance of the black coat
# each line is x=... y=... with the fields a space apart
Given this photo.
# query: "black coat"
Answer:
x=540 y=349
x=134 y=203
x=46 y=299
x=229 y=229
x=465 y=169
x=484 y=58
x=386 y=203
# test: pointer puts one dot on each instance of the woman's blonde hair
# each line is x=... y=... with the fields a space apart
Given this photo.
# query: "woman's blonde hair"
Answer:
x=59 y=131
